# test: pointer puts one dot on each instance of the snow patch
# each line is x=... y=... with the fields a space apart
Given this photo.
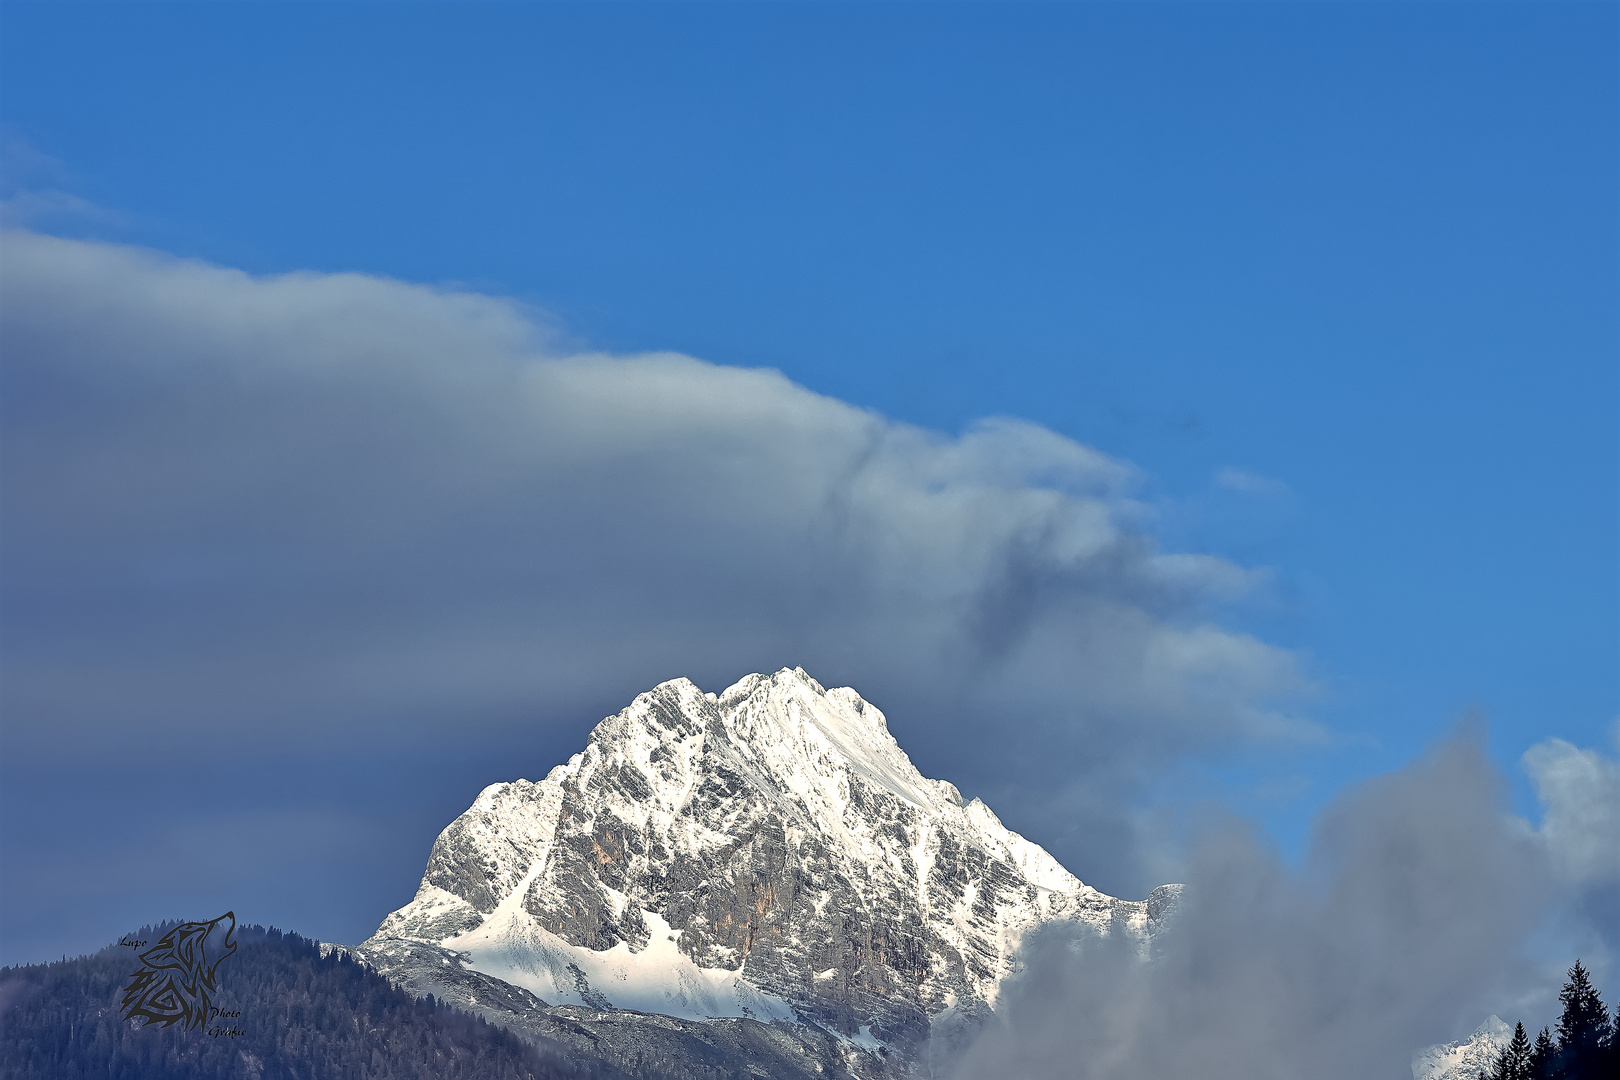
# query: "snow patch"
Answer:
x=512 y=947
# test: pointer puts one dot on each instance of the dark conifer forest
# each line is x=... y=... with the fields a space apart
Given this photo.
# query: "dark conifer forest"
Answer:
x=1585 y=1046
x=302 y=1017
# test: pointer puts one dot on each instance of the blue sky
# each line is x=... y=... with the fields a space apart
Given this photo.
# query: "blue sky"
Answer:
x=1340 y=281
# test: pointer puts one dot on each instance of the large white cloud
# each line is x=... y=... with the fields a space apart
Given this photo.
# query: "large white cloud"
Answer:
x=336 y=510
x=1580 y=794
x=1580 y=832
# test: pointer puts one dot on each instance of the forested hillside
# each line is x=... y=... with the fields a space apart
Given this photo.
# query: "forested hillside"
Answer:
x=302 y=1016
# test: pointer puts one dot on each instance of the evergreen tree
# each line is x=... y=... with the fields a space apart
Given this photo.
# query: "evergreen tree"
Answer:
x=1516 y=1058
x=1513 y=1062
x=1609 y=1052
x=1585 y=1019
x=1583 y=1029
x=1542 y=1057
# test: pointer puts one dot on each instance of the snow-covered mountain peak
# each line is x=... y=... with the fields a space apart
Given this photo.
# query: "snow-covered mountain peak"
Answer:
x=1464 y=1059
x=766 y=851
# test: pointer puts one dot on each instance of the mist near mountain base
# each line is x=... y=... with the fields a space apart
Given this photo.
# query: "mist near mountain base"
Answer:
x=1407 y=920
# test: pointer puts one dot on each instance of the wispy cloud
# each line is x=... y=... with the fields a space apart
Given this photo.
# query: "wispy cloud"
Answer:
x=35 y=190
x=1247 y=483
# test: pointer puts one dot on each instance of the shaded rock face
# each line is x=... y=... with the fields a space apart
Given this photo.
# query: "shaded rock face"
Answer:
x=768 y=853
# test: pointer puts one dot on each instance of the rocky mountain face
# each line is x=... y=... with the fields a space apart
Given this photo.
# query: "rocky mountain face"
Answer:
x=763 y=865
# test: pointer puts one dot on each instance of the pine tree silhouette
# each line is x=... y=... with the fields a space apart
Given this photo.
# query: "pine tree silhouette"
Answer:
x=1584 y=1031
x=1542 y=1056
x=1513 y=1061
x=1608 y=1056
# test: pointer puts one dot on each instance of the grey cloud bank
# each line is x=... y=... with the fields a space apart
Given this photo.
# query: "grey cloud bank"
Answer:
x=1409 y=923
x=324 y=540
